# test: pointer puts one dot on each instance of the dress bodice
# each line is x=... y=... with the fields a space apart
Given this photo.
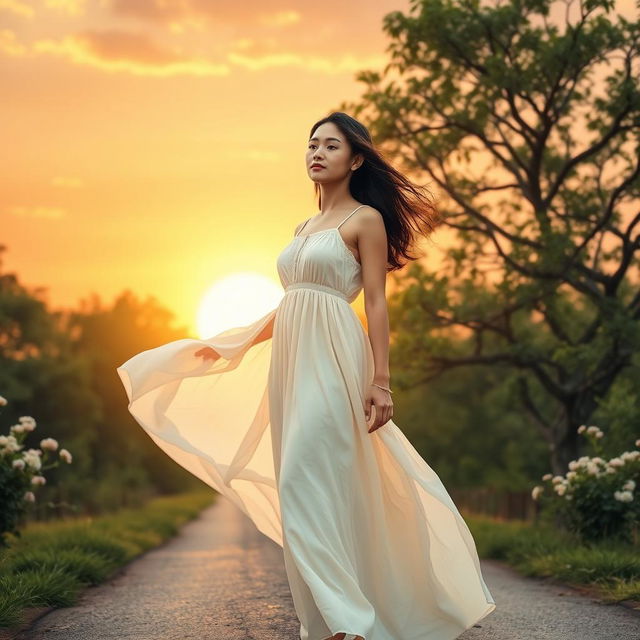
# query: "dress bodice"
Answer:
x=321 y=258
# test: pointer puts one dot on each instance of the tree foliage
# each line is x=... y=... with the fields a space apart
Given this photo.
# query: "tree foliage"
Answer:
x=526 y=116
x=60 y=368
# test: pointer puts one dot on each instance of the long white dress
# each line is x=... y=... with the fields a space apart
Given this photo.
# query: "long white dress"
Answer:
x=373 y=544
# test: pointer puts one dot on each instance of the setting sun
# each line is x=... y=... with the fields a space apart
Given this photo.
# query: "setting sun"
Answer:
x=235 y=301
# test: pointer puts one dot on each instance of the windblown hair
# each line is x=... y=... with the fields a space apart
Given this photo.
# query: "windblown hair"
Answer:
x=408 y=210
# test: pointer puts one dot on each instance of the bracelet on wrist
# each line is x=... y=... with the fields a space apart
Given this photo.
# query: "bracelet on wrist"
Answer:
x=381 y=387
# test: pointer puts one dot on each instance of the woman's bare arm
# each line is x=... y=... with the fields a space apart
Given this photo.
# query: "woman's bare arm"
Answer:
x=372 y=246
x=209 y=353
x=373 y=250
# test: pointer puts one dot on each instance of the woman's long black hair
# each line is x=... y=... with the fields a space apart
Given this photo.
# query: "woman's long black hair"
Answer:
x=408 y=210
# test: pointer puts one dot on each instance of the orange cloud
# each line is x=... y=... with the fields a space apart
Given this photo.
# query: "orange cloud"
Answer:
x=341 y=64
x=71 y=7
x=65 y=182
x=270 y=12
x=223 y=35
x=114 y=50
x=37 y=212
x=281 y=18
x=309 y=24
x=18 y=8
x=10 y=46
x=138 y=54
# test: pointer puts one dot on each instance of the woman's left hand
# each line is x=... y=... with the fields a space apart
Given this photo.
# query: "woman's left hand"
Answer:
x=381 y=399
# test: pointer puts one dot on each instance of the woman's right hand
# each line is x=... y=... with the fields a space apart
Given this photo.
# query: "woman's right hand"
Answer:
x=208 y=353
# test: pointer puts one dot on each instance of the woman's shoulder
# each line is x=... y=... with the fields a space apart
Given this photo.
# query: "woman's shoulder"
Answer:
x=370 y=218
x=369 y=212
x=299 y=227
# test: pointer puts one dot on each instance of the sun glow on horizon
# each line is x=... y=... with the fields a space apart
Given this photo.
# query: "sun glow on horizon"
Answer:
x=235 y=301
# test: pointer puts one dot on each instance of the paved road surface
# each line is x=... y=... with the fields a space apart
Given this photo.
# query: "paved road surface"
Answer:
x=221 y=579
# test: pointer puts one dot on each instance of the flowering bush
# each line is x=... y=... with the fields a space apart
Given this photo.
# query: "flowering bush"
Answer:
x=596 y=498
x=21 y=472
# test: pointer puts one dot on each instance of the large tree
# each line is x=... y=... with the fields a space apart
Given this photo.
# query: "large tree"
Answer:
x=525 y=116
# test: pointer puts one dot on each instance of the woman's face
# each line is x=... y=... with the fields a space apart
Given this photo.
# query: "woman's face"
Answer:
x=329 y=148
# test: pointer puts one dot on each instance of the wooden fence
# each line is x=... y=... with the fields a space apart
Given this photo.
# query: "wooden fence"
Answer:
x=507 y=505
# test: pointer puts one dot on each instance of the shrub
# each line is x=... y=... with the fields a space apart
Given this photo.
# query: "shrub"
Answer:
x=596 y=498
x=21 y=472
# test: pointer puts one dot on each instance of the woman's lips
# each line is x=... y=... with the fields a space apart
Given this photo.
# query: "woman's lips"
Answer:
x=316 y=166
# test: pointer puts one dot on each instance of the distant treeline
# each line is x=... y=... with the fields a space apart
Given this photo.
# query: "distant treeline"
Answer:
x=60 y=368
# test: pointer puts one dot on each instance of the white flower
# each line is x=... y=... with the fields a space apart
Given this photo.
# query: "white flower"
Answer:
x=3 y=401
x=28 y=422
x=571 y=475
x=557 y=479
x=582 y=428
x=573 y=465
x=18 y=463
x=547 y=476
x=32 y=459
x=38 y=480
x=629 y=485
x=66 y=456
x=535 y=493
x=3 y=440
x=560 y=489
x=29 y=496
x=638 y=442
x=17 y=428
x=592 y=429
x=616 y=462
x=623 y=496
x=610 y=470
x=49 y=443
x=597 y=460
x=599 y=434
x=629 y=455
x=35 y=452
x=592 y=469
x=11 y=444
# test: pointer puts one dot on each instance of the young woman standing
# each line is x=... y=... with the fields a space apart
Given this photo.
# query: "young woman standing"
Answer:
x=290 y=417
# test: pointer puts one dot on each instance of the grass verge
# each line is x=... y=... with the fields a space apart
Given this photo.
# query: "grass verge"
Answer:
x=610 y=571
x=52 y=561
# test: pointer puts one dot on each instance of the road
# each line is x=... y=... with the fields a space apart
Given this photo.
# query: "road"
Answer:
x=221 y=579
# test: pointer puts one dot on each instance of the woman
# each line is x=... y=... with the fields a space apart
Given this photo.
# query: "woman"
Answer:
x=374 y=547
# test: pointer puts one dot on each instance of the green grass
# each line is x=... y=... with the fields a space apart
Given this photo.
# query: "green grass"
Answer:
x=51 y=562
x=610 y=569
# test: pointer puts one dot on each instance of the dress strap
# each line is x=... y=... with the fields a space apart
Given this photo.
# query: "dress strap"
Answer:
x=303 y=226
x=362 y=205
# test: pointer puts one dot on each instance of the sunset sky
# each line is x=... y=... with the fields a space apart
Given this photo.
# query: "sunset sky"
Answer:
x=159 y=146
